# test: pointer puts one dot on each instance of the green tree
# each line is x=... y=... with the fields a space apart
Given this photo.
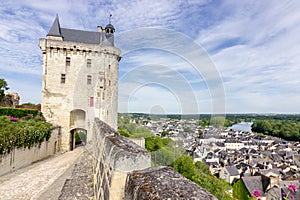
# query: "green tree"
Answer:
x=217 y=121
x=199 y=173
x=200 y=133
x=262 y=126
x=204 y=122
x=123 y=132
x=185 y=166
x=164 y=133
x=240 y=191
x=201 y=167
x=3 y=87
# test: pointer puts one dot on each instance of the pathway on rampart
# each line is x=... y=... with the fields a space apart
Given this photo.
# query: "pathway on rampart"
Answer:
x=31 y=182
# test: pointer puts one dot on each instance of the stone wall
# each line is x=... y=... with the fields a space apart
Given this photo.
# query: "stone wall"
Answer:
x=139 y=141
x=21 y=157
x=122 y=170
x=114 y=157
x=71 y=84
x=162 y=183
x=10 y=100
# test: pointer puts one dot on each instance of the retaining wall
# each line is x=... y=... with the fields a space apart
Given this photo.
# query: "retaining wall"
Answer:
x=23 y=157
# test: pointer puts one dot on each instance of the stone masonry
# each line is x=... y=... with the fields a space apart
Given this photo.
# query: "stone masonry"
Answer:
x=80 y=185
x=122 y=170
x=162 y=183
x=80 y=79
x=114 y=157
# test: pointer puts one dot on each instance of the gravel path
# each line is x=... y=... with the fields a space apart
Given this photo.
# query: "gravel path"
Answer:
x=31 y=182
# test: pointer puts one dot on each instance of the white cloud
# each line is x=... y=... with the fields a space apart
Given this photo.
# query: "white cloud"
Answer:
x=264 y=66
x=253 y=44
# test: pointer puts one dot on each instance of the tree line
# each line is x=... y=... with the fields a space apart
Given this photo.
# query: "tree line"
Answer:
x=285 y=129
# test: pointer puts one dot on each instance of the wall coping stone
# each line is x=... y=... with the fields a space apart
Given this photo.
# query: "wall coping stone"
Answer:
x=162 y=183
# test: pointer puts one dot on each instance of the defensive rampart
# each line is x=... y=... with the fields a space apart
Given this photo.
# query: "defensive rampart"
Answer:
x=122 y=170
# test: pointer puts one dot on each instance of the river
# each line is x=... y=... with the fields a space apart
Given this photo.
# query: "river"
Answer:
x=242 y=126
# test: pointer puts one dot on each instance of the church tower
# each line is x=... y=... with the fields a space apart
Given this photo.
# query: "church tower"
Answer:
x=80 y=80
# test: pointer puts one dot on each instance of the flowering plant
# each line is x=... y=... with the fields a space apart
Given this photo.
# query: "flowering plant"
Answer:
x=14 y=119
x=292 y=188
x=256 y=195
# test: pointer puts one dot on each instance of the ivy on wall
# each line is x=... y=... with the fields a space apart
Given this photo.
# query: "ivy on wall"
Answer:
x=22 y=133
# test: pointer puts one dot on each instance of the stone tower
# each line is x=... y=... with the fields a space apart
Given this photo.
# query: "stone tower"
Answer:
x=80 y=79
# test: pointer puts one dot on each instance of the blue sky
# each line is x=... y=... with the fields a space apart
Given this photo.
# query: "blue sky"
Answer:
x=252 y=47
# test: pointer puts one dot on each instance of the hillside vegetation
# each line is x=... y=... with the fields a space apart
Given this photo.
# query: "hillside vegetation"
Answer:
x=165 y=151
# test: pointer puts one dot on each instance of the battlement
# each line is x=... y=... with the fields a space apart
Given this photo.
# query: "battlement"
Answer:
x=71 y=47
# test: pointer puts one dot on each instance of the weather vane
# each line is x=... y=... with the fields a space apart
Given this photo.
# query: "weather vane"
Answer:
x=109 y=19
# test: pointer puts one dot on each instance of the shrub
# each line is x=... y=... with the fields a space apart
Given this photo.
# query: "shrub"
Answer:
x=17 y=112
x=22 y=133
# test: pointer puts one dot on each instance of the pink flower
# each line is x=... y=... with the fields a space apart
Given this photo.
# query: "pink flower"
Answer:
x=14 y=119
x=255 y=193
x=292 y=197
x=292 y=187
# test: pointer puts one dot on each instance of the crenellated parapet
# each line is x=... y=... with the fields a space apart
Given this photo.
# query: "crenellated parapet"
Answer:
x=76 y=48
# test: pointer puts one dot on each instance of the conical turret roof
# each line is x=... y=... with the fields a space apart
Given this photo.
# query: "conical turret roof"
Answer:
x=55 y=28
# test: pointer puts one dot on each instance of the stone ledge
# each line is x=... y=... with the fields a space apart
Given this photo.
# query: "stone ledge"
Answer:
x=162 y=183
x=120 y=142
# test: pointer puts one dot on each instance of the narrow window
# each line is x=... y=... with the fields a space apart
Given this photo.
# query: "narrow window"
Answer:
x=63 y=78
x=109 y=82
x=91 y=101
x=101 y=83
x=89 y=79
x=68 y=61
x=108 y=66
x=88 y=62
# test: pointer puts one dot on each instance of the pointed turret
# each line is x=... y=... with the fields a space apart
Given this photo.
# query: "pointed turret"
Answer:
x=55 y=29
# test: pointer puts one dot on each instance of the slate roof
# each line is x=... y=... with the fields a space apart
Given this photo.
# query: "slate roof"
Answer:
x=89 y=37
x=270 y=171
x=55 y=28
x=110 y=26
x=277 y=192
x=233 y=171
x=253 y=183
x=275 y=157
x=73 y=35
